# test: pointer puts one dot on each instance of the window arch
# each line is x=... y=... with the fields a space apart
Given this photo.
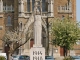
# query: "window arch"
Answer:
x=43 y=5
x=28 y=5
x=33 y=1
x=9 y=21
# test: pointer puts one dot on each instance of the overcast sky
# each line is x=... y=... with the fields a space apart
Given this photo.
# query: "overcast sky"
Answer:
x=78 y=10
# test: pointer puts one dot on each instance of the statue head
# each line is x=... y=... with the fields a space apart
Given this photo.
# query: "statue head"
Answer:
x=36 y=9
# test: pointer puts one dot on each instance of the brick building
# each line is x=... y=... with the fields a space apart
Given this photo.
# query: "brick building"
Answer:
x=13 y=13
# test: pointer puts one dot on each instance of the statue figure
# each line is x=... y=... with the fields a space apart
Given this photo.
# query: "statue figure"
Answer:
x=37 y=26
x=36 y=9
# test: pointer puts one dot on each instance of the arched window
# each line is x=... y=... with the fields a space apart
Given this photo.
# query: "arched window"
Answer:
x=43 y=5
x=28 y=5
x=9 y=21
x=33 y=1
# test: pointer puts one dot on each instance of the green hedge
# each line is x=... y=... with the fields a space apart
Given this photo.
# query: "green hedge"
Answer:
x=68 y=58
x=2 y=58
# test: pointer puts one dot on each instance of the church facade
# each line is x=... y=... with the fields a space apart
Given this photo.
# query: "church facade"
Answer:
x=14 y=13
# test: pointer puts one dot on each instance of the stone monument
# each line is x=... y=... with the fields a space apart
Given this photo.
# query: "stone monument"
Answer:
x=37 y=52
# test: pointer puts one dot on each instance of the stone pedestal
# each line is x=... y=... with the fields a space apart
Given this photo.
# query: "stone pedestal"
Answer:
x=37 y=53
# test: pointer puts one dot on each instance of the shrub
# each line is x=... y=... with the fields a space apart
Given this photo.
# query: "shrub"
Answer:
x=68 y=58
x=2 y=58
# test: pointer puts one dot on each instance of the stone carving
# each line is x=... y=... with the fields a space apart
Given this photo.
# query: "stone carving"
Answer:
x=37 y=25
x=37 y=30
x=36 y=9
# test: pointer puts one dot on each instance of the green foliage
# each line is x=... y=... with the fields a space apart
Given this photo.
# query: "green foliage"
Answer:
x=68 y=58
x=65 y=33
x=2 y=58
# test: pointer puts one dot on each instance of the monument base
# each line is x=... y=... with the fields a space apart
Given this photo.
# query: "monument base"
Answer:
x=37 y=45
x=37 y=53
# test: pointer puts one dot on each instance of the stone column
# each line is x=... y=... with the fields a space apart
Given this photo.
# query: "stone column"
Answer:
x=50 y=8
x=21 y=8
x=1 y=6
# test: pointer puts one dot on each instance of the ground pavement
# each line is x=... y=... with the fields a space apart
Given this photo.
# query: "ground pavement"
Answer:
x=59 y=58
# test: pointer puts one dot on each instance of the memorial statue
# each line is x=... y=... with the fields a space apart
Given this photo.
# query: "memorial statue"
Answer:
x=37 y=25
x=37 y=52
